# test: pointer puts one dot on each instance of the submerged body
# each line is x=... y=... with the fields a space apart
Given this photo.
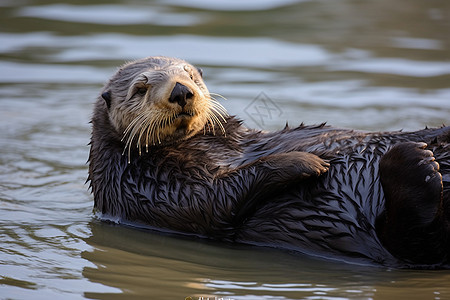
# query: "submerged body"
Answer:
x=315 y=189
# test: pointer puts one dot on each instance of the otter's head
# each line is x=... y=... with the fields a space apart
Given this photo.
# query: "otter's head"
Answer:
x=160 y=100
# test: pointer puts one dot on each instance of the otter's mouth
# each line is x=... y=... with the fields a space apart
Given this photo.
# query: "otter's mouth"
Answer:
x=184 y=114
x=182 y=120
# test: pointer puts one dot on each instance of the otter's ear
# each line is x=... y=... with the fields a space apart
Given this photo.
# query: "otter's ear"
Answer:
x=107 y=97
x=200 y=71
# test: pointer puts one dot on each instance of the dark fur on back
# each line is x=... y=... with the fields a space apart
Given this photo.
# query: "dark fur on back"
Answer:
x=247 y=186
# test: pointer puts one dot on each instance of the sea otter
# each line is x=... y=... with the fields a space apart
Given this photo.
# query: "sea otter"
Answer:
x=165 y=154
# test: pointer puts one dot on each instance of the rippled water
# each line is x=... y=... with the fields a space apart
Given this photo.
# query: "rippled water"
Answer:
x=373 y=65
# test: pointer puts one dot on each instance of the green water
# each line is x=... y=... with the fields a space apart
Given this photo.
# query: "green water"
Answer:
x=372 y=65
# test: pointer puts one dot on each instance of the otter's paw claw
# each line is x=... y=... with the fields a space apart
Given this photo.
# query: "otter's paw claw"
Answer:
x=421 y=162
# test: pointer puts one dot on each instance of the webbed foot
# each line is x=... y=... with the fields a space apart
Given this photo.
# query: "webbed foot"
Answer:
x=411 y=226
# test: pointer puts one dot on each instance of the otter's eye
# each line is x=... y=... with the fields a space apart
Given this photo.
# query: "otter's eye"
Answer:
x=141 y=91
x=200 y=71
x=189 y=70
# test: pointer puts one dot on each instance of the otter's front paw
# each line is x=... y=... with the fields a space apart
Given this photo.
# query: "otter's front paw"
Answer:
x=296 y=165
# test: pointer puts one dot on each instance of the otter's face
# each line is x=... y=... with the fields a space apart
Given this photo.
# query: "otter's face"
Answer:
x=160 y=100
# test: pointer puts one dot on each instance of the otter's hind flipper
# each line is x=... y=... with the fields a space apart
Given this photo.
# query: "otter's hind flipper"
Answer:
x=411 y=227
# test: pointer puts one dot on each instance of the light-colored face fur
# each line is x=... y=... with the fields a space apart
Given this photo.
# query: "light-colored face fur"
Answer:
x=141 y=110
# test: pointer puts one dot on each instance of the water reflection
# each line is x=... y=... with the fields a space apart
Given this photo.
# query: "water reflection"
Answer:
x=166 y=267
x=177 y=268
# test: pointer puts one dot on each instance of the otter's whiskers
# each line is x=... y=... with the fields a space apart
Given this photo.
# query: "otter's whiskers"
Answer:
x=148 y=127
x=216 y=114
x=145 y=124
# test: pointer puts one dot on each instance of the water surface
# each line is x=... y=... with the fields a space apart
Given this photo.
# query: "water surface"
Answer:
x=370 y=65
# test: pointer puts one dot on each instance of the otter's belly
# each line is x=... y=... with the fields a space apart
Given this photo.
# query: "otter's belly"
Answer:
x=333 y=216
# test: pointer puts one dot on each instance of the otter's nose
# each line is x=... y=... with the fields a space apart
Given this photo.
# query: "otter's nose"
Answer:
x=180 y=94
